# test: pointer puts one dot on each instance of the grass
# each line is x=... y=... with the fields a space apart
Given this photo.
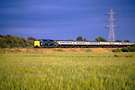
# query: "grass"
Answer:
x=58 y=69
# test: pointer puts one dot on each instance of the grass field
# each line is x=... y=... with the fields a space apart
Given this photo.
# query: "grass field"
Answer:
x=66 y=69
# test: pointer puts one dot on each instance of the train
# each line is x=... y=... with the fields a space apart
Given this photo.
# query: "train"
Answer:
x=47 y=43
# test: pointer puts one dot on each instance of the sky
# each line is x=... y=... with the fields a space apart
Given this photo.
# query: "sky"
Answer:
x=66 y=19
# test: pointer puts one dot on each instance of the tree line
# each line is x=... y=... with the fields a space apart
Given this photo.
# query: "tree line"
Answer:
x=9 y=41
x=98 y=39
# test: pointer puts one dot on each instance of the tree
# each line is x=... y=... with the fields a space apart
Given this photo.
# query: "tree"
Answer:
x=80 y=38
x=118 y=41
x=84 y=39
x=100 y=39
x=31 y=38
x=8 y=41
x=126 y=41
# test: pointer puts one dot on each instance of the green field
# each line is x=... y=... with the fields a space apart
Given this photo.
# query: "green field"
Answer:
x=59 y=69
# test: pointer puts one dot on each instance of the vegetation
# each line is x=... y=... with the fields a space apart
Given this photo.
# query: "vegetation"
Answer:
x=125 y=49
x=100 y=39
x=126 y=41
x=122 y=41
x=80 y=38
x=49 y=69
x=8 y=41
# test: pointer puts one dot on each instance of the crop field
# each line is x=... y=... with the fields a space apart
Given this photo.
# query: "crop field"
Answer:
x=66 y=69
